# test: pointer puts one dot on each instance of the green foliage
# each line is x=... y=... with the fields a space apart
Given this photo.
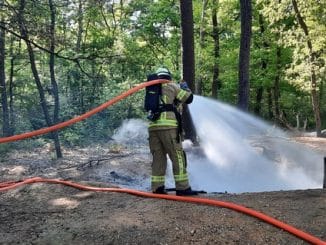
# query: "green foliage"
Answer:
x=4 y=149
x=282 y=20
x=122 y=41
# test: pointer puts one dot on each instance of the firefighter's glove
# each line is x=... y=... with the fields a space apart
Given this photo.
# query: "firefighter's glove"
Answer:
x=184 y=86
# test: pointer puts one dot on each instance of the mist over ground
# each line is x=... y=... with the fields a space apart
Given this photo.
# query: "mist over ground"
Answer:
x=241 y=152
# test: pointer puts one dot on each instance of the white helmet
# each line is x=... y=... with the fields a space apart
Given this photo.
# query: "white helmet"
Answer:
x=163 y=73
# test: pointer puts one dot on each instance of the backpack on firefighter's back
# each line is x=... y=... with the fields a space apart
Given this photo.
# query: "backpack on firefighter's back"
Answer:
x=152 y=98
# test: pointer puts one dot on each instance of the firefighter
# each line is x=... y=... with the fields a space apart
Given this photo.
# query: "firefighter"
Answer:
x=165 y=136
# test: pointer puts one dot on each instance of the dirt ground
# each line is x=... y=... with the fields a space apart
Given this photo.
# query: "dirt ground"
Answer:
x=56 y=214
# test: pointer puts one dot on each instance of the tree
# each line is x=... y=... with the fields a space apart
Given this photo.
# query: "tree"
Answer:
x=187 y=37
x=11 y=86
x=216 y=83
x=312 y=61
x=3 y=88
x=244 y=54
x=299 y=27
x=24 y=34
x=188 y=62
x=54 y=84
x=260 y=88
x=199 y=80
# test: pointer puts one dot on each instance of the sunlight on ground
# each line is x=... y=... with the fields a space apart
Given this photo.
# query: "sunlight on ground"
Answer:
x=65 y=202
x=17 y=170
x=84 y=194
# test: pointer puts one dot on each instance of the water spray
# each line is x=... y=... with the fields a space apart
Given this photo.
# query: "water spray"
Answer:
x=245 y=154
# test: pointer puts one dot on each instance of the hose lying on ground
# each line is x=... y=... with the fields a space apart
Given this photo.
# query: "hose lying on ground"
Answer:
x=300 y=234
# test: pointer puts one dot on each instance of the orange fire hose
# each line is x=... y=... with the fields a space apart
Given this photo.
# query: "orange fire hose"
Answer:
x=292 y=230
x=81 y=117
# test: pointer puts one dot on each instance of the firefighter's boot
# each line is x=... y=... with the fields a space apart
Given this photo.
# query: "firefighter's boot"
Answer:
x=186 y=192
x=160 y=190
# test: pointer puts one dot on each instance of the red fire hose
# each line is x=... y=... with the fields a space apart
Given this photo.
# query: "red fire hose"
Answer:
x=4 y=186
x=301 y=234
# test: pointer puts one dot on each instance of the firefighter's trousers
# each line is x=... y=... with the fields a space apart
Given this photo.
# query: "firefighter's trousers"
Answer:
x=162 y=143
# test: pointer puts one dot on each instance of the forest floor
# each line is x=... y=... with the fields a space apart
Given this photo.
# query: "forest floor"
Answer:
x=56 y=214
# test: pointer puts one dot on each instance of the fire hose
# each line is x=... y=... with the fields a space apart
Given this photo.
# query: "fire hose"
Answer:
x=292 y=230
x=5 y=186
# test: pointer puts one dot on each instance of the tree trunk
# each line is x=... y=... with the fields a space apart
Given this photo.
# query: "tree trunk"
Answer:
x=270 y=103
x=80 y=18
x=188 y=63
x=80 y=21
x=39 y=86
x=321 y=90
x=198 y=84
x=313 y=77
x=3 y=88
x=11 y=87
x=259 y=98
x=54 y=84
x=216 y=83
x=260 y=89
x=277 y=84
x=188 y=56
x=244 y=54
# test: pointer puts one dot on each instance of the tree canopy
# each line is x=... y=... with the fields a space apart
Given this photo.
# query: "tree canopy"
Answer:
x=66 y=57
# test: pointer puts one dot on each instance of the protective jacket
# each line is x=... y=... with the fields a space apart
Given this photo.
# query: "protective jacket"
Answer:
x=172 y=94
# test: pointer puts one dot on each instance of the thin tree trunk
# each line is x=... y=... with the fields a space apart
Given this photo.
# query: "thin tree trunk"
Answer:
x=198 y=83
x=39 y=86
x=259 y=98
x=11 y=87
x=277 y=84
x=321 y=90
x=260 y=89
x=270 y=103
x=81 y=30
x=3 y=88
x=216 y=83
x=244 y=54
x=80 y=18
x=313 y=77
x=54 y=84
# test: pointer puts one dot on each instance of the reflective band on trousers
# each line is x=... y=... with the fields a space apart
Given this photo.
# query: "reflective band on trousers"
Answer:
x=181 y=177
x=177 y=178
x=159 y=179
x=180 y=161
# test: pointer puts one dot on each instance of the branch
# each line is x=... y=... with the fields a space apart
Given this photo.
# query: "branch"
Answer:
x=57 y=54
x=97 y=161
x=282 y=119
x=300 y=18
